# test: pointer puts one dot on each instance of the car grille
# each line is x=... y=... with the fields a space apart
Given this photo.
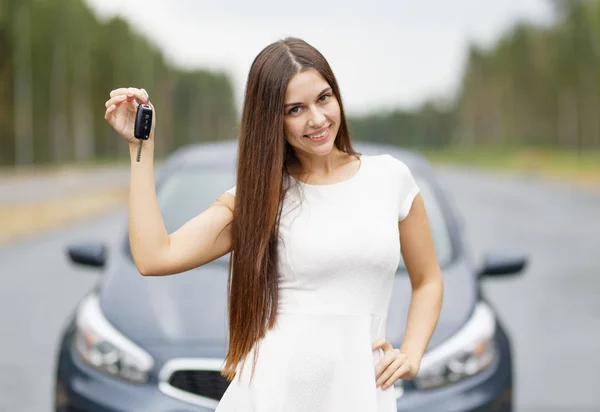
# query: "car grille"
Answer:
x=210 y=384
x=71 y=408
x=194 y=380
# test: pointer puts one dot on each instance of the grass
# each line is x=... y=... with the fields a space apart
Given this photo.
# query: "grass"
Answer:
x=562 y=164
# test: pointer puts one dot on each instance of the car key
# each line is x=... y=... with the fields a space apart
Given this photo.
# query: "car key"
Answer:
x=143 y=125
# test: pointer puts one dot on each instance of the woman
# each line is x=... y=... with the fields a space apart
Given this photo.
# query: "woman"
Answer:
x=314 y=230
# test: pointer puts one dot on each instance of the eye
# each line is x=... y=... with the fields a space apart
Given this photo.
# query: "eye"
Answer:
x=325 y=95
x=293 y=110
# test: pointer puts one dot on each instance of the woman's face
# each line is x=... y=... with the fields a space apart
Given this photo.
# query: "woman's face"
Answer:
x=312 y=114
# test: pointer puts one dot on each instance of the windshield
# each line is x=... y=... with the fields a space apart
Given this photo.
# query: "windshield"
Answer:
x=186 y=193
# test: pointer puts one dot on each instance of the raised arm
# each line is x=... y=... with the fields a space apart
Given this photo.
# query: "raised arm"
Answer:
x=200 y=240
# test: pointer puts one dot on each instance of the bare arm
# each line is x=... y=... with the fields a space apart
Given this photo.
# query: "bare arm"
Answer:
x=199 y=241
x=202 y=239
x=426 y=280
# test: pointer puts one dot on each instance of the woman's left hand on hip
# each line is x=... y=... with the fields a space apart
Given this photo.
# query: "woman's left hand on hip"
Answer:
x=393 y=365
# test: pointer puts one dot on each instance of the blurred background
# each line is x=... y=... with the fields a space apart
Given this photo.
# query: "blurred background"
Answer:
x=502 y=96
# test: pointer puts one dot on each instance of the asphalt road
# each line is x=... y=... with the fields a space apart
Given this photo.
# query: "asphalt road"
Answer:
x=39 y=289
x=552 y=312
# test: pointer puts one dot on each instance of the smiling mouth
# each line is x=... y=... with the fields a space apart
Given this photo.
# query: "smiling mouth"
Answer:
x=320 y=134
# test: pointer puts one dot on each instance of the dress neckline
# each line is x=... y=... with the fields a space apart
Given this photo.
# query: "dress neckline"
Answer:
x=350 y=179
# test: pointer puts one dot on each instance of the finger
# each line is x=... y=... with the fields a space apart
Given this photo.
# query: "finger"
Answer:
x=391 y=356
x=389 y=371
x=116 y=92
x=147 y=95
x=383 y=364
x=115 y=100
x=139 y=95
x=400 y=372
x=405 y=370
x=382 y=343
x=376 y=342
x=108 y=112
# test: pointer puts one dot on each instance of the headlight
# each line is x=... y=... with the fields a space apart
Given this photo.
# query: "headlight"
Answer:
x=465 y=354
x=105 y=348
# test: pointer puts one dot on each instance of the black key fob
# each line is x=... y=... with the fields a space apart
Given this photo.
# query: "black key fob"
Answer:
x=143 y=122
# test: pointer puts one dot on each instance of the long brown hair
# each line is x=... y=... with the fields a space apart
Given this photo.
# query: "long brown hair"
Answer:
x=262 y=165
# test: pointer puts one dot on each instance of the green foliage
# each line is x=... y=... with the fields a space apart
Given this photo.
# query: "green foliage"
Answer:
x=58 y=64
x=537 y=86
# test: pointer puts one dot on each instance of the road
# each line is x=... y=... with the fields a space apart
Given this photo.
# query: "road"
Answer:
x=39 y=290
x=552 y=312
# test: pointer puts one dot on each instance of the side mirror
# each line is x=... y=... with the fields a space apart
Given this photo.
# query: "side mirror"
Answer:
x=495 y=264
x=88 y=254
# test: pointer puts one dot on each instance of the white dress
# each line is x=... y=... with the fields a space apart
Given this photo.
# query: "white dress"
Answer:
x=338 y=252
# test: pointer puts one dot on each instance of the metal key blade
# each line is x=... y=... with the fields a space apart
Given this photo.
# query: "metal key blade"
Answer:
x=139 y=152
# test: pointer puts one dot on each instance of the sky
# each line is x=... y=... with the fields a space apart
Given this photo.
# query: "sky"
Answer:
x=385 y=54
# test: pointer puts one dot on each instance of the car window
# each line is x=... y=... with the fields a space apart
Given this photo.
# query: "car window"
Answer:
x=187 y=192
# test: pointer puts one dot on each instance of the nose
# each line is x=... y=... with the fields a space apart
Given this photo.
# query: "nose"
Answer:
x=317 y=118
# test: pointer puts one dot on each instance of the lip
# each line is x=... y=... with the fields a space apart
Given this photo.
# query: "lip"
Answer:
x=318 y=131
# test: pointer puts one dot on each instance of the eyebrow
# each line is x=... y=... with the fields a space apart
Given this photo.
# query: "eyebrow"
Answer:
x=298 y=104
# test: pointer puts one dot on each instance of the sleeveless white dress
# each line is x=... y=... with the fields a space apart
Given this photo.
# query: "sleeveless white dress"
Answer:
x=338 y=252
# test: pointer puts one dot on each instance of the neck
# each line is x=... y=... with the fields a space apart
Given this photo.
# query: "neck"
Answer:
x=318 y=165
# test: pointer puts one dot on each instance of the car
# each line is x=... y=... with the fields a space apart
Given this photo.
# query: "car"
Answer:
x=158 y=343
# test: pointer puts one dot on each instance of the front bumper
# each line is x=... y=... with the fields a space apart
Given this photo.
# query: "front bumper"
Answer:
x=80 y=388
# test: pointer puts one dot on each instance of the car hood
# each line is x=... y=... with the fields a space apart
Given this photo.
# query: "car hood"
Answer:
x=190 y=309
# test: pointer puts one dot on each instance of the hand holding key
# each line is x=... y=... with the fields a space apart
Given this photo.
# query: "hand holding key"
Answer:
x=121 y=111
